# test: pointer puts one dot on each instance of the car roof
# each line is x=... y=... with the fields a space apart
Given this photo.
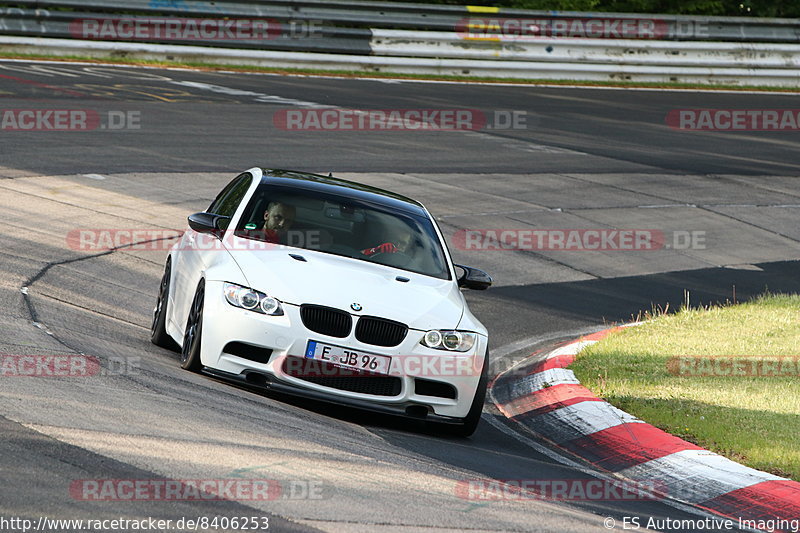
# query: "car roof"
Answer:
x=349 y=189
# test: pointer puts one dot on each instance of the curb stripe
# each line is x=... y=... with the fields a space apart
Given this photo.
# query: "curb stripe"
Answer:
x=583 y=418
x=549 y=378
x=560 y=361
x=627 y=445
x=549 y=399
x=507 y=388
x=511 y=389
x=573 y=347
x=696 y=476
x=600 y=335
x=764 y=501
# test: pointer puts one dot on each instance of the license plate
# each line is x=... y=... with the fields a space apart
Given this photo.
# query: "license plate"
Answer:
x=348 y=358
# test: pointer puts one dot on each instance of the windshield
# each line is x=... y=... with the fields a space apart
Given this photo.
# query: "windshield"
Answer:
x=343 y=226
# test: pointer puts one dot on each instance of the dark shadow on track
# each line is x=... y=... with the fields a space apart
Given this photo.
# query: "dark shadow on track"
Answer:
x=589 y=303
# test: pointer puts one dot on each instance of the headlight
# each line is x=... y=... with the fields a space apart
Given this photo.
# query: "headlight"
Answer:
x=252 y=300
x=451 y=340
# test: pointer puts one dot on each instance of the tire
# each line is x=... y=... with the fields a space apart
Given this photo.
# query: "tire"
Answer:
x=469 y=424
x=190 y=353
x=158 y=329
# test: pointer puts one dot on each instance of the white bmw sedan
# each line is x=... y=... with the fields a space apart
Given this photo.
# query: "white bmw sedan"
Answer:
x=328 y=289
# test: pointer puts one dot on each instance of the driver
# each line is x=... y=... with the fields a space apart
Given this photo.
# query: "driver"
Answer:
x=278 y=218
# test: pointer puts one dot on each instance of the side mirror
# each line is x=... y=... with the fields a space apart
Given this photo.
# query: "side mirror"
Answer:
x=474 y=278
x=209 y=223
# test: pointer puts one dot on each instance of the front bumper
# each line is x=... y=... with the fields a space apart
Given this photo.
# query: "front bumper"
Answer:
x=410 y=410
x=287 y=338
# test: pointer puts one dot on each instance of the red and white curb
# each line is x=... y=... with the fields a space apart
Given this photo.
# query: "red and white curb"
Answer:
x=547 y=399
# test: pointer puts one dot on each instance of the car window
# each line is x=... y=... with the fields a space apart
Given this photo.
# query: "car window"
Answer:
x=231 y=196
x=228 y=200
x=344 y=226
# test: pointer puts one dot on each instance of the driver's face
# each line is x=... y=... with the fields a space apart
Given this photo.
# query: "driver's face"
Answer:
x=279 y=218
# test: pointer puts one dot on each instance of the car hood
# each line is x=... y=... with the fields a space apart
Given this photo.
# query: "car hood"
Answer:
x=422 y=302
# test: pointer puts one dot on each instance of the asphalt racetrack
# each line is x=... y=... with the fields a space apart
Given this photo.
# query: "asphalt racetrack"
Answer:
x=162 y=143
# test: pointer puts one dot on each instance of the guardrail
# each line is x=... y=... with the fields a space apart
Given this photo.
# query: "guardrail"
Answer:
x=420 y=38
x=402 y=15
x=598 y=51
x=72 y=25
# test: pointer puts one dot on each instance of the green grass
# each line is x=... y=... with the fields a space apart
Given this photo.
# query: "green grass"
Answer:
x=392 y=75
x=751 y=419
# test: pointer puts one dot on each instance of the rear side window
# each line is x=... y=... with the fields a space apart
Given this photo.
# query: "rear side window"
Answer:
x=231 y=196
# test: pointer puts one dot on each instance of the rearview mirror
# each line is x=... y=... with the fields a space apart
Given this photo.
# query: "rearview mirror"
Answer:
x=346 y=213
x=474 y=278
x=209 y=223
